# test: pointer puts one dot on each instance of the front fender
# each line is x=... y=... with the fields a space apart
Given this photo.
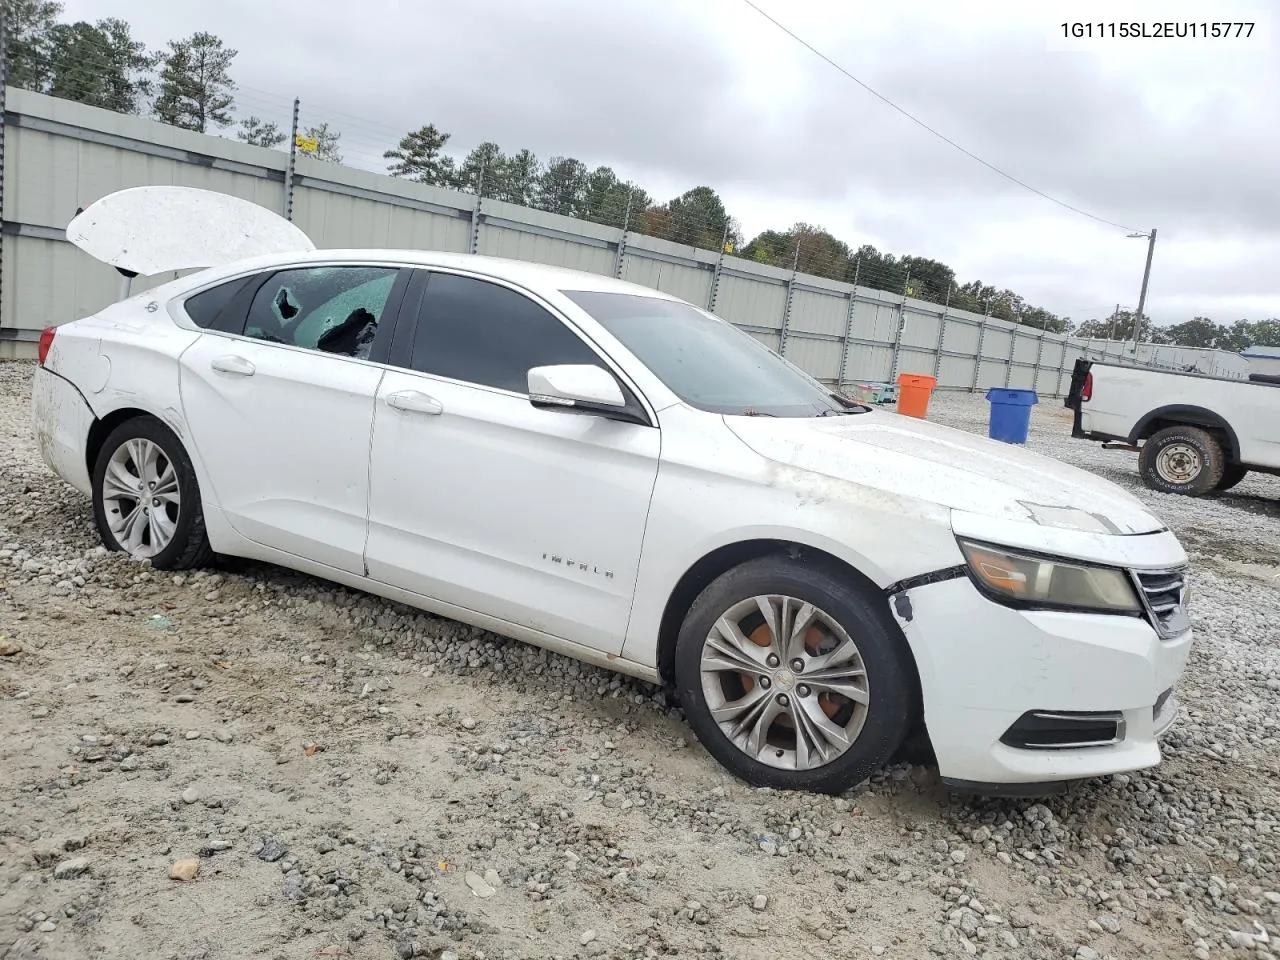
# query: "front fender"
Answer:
x=691 y=518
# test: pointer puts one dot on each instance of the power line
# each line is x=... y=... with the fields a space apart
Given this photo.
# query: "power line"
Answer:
x=836 y=261
x=916 y=120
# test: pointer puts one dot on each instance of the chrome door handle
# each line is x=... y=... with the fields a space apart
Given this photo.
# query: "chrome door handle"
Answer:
x=238 y=366
x=411 y=401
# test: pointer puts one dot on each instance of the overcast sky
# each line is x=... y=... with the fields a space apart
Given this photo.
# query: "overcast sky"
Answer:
x=1177 y=134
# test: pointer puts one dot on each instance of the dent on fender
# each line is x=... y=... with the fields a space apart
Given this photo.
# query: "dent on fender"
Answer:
x=900 y=593
x=173 y=417
x=1071 y=518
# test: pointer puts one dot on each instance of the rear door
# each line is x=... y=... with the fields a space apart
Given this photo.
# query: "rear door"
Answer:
x=278 y=394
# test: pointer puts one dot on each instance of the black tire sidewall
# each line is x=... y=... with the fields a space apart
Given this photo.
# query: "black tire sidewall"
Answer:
x=1212 y=461
x=1231 y=476
x=150 y=428
x=893 y=703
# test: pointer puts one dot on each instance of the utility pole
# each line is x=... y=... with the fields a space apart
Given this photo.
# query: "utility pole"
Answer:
x=1115 y=315
x=1146 y=277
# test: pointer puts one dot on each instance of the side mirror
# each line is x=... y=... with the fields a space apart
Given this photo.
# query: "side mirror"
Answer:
x=583 y=387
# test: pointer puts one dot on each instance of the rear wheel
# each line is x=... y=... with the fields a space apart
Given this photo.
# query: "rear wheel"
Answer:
x=1231 y=475
x=793 y=677
x=1182 y=459
x=146 y=501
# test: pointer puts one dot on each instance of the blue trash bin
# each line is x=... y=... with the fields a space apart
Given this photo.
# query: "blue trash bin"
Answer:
x=1010 y=414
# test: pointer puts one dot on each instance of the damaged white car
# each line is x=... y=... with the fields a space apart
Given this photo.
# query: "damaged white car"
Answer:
x=617 y=475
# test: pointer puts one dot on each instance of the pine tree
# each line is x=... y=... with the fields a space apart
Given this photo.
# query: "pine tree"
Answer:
x=326 y=142
x=196 y=89
x=260 y=133
x=418 y=157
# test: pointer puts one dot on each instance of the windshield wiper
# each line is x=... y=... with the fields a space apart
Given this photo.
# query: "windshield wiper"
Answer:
x=850 y=406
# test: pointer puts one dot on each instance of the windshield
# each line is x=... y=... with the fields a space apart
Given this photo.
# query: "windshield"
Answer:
x=707 y=362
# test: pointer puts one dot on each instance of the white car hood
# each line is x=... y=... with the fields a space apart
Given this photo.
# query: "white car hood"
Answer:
x=952 y=468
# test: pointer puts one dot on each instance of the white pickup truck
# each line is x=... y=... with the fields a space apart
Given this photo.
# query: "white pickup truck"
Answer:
x=1194 y=434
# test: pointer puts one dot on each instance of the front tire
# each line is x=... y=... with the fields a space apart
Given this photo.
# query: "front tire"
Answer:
x=1182 y=459
x=1232 y=475
x=794 y=677
x=146 y=500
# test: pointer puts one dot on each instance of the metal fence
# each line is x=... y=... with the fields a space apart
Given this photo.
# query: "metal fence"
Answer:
x=1165 y=356
x=59 y=155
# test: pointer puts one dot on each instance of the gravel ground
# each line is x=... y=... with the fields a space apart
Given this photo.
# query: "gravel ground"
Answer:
x=338 y=776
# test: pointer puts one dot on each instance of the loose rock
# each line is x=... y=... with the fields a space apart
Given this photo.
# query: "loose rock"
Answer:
x=184 y=869
x=69 y=869
x=479 y=886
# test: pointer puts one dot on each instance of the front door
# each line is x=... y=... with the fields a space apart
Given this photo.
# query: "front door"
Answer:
x=280 y=409
x=485 y=502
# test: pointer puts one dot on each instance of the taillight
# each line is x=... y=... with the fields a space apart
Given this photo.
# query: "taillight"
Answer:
x=1086 y=392
x=46 y=341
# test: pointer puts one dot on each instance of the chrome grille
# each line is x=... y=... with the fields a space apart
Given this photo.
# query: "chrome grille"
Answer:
x=1164 y=595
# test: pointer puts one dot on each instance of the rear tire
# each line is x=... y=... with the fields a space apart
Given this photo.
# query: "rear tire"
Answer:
x=1231 y=475
x=1182 y=459
x=146 y=500
x=821 y=710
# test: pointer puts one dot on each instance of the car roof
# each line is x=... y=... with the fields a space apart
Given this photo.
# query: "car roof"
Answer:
x=535 y=276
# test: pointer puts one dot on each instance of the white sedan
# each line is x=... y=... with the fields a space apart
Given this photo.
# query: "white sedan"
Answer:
x=619 y=476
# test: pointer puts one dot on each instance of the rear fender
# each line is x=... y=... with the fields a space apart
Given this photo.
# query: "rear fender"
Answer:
x=1192 y=416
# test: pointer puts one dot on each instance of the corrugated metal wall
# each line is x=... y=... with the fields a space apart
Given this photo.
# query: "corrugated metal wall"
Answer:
x=59 y=155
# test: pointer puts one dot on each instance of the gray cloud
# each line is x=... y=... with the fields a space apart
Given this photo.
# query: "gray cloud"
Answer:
x=676 y=94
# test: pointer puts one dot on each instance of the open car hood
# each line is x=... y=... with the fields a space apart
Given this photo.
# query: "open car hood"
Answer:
x=150 y=230
x=952 y=468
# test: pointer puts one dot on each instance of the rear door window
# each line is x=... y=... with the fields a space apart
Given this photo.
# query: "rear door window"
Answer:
x=333 y=309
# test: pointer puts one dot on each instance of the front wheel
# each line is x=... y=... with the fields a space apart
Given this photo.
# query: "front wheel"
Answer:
x=794 y=677
x=1182 y=459
x=146 y=501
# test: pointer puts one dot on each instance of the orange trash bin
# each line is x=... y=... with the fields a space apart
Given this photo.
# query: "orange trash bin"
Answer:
x=914 y=390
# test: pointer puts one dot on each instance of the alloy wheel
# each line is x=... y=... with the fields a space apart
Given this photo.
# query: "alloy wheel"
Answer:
x=141 y=498
x=784 y=682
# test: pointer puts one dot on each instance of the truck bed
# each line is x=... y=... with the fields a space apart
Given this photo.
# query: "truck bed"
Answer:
x=1129 y=405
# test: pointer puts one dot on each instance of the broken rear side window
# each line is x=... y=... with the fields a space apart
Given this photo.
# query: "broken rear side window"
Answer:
x=331 y=309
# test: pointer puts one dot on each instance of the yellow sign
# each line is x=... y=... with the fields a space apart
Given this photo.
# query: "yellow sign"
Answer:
x=728 y=248
x=306 y=144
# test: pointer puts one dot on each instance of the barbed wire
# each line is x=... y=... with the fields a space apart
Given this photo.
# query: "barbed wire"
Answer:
x=363 y=143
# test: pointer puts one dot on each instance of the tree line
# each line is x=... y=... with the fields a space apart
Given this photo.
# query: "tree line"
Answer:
x=189 y=84
x=1198 y=332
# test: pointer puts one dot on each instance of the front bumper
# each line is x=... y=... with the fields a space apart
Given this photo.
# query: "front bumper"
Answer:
x=983 y=667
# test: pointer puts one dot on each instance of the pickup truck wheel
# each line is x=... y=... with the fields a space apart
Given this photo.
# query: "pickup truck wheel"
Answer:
x=1182 y=459
x=794 y=678
x=1231 y=475
x=146 y=501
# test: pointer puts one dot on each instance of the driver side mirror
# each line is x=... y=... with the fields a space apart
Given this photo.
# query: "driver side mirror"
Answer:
x=581 y=387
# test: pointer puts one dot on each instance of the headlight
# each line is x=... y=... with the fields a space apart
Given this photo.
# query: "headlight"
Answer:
x=1035 y=581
